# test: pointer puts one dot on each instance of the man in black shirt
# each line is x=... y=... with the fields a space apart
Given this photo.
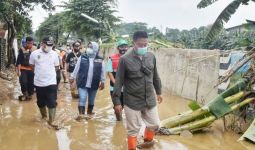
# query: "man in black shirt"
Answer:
x=24 y=70
x=71 y=61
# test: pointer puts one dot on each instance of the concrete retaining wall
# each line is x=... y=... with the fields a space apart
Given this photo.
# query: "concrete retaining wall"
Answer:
x=182 y=71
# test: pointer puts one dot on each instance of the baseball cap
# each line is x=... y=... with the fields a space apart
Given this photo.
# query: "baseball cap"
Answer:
x=48 y=41
x=122 y=42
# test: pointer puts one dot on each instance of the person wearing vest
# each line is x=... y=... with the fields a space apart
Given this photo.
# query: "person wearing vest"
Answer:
x=25 y=70
x=111 y=69
x=137 y=74
x=88 y=76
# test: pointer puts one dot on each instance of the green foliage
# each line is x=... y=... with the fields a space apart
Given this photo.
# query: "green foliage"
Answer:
x=102 y=10
x=71 y=23
x=15 y=13
x=196 y=39
x=224 y=16
x=130 y=28
x=53 y=26
x=23 y=26
x=205 y=3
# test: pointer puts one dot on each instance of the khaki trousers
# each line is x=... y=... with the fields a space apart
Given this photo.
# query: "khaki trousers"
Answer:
x=134 y=119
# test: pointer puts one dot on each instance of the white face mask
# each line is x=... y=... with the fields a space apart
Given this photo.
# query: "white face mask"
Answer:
x=48 y=49
x=90 y=51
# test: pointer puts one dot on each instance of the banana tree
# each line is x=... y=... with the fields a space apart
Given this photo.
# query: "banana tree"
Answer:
x=224 y=16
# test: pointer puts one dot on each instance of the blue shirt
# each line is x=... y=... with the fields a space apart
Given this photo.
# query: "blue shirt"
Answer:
x=109 y=69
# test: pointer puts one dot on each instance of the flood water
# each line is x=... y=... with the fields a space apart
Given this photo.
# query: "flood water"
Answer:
x=21 y=127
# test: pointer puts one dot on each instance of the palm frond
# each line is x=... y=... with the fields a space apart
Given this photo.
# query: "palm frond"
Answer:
x=224 y=17
x=205 y=3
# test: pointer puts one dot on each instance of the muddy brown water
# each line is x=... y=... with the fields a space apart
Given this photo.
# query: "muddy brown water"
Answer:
x=22 y=129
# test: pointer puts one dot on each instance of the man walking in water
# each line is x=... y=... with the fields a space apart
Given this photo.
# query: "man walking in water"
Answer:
x=25 y=70
x=71 y=61
x=111 y=69
x=137 y=74
x=45 y=61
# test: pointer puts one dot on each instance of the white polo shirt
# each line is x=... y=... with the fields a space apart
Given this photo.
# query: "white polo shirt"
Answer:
x=44 y=67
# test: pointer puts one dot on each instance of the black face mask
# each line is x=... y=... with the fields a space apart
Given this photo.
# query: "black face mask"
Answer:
x=76 y=50
x=122 y=51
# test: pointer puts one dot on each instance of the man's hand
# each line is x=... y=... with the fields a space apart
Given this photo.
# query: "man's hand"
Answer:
x=159 y=98
x=117 y=108
x=101 y=86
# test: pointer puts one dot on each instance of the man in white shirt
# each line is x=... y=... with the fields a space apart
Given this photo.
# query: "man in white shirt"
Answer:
x=45 y=61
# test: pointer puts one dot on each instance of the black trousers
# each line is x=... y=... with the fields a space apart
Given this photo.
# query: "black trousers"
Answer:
x=26 y=81
x=46 y=96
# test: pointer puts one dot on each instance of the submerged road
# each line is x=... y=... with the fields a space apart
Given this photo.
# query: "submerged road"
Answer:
x=21 y=127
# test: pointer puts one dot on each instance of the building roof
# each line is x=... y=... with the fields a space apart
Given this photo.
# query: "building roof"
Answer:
x=249 y=22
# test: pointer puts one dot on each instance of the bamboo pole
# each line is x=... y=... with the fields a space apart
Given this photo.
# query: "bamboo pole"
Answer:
x=206 y=121
x=204 y=111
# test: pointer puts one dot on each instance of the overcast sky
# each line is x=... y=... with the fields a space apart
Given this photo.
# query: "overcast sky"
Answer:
x=181 y=14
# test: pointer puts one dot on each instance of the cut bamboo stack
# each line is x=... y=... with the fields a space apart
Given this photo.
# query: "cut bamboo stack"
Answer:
x=235 y=97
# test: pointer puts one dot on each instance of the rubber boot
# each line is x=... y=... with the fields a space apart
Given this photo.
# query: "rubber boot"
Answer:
x=148 y=139
x=29 y=97
x=26 y=96
x=43 y=112
x=81 y=110
x=52 y=113
x=118 y=116
x=132 y=140
x=90 y=110
x=23 y=97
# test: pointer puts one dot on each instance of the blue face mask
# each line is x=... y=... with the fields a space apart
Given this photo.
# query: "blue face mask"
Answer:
x=142 y=51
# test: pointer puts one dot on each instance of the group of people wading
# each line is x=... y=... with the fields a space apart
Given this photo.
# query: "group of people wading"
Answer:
x=135 y=86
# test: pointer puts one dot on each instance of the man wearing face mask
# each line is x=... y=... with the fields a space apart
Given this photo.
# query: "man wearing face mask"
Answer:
x=82 y=49
x=25 y=70
x=137 y=74
x=71 y=61
x=111 y=69
x=90 y=76
x=45 y=61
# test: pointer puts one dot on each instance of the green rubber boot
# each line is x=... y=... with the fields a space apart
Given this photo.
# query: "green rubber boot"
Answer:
x=43 y=112
x=52 y=113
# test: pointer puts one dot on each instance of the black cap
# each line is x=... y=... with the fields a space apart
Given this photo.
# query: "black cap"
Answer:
x=48 y=41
